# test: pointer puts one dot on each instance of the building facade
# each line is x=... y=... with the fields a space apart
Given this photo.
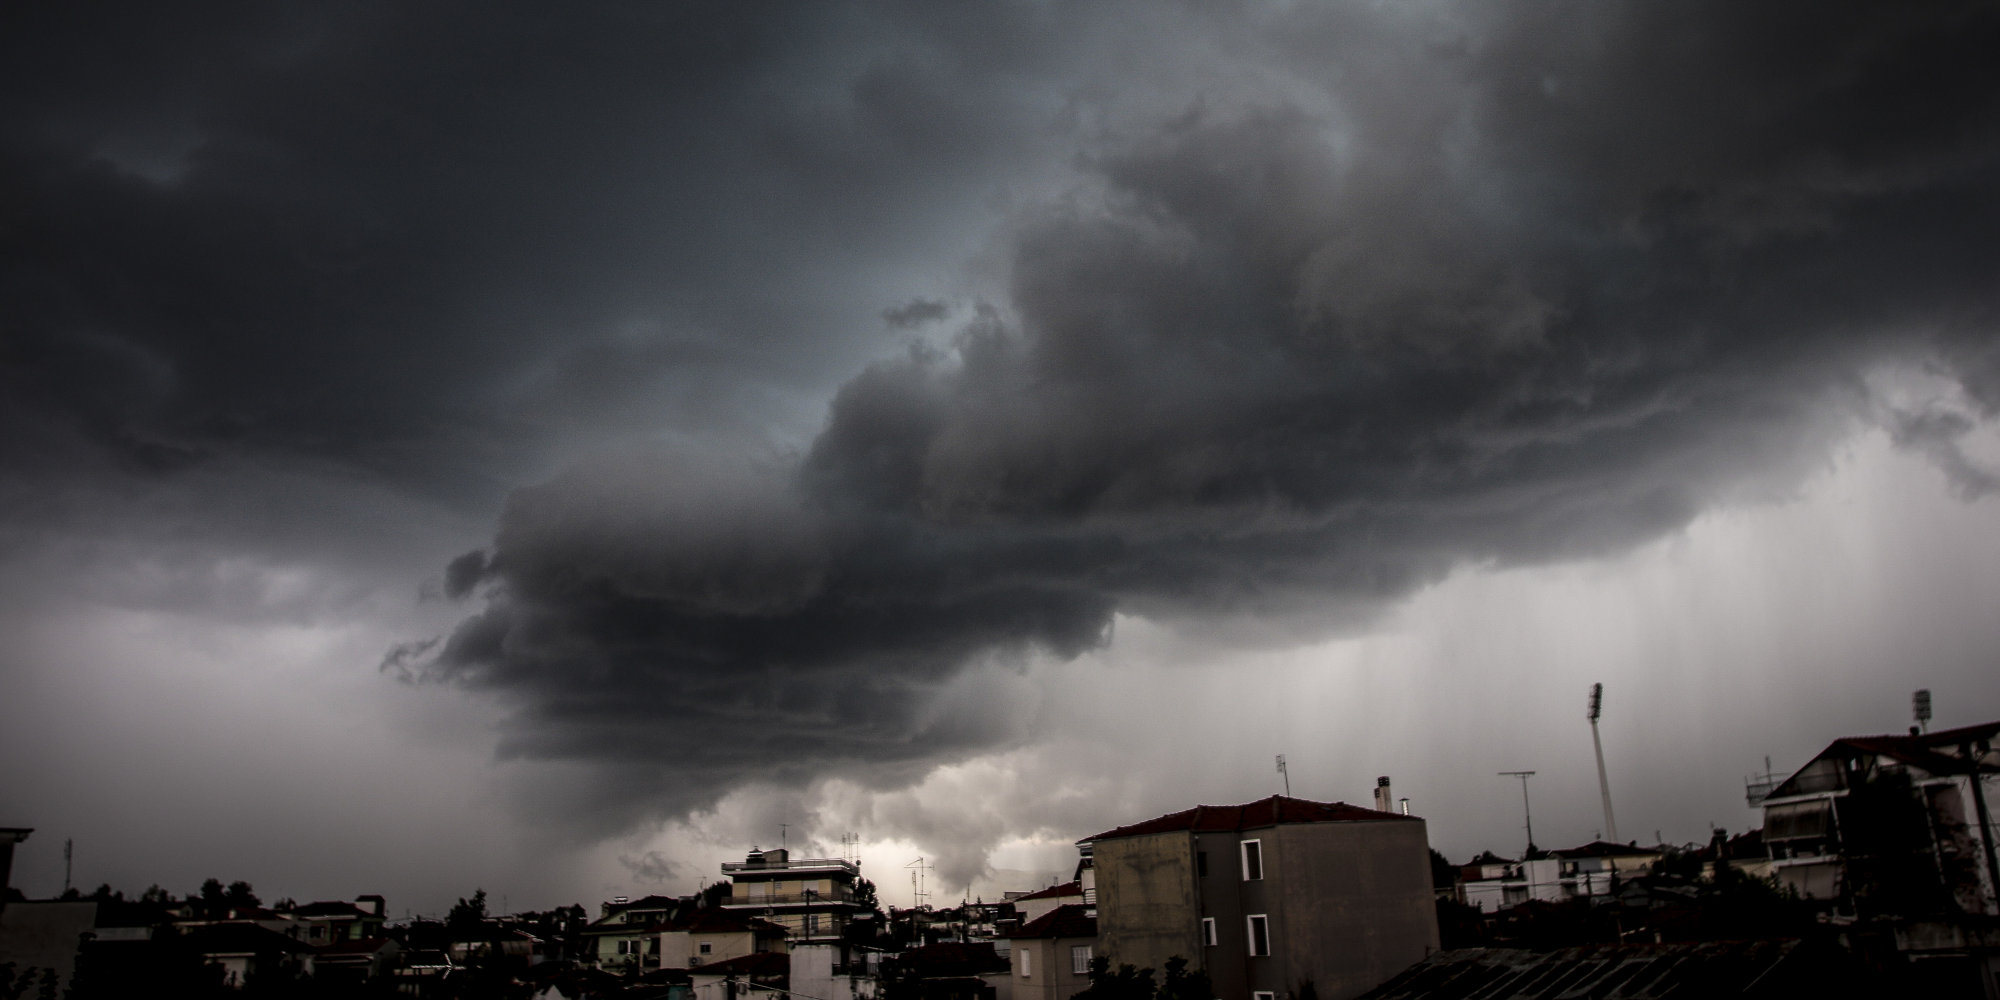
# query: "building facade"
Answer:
x=1269 y=896
x=1822 y=822
x=1051 y=954
x=812 y=898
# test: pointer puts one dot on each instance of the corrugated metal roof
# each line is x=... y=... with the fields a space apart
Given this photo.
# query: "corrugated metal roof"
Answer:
x=1609 y=972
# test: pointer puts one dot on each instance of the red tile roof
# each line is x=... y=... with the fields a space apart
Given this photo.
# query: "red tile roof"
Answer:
x=719 y=922
x=1055 y=892
x=1071 y=921
x=1251 y=815
x=762 y=963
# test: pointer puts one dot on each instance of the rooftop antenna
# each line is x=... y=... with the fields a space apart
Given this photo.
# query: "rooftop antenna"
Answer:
x=1603 y=783
x=1286 y=774
x=917 y=894
x=1525 y=813
x=69 y=852
x=1920 y=706
x=784 y=837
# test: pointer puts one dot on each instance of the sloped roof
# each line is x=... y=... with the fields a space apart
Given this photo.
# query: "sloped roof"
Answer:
x=1070 y=921
x=1931 y=752
x=1636 y=972
x=231 y=939
x=762 y=963
x=720 y=922
x=1249 y=816
x=364 y=946
x=1054 y=892
x=953 y=958
x=331 y=908
x=1602 y=849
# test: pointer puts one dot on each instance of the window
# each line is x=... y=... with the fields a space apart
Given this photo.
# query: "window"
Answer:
x=1208 y=931
x=1263 y=995
x=1260 y=935
x=707 y=947
x=1079 y=959
x=1201 y=864
x=1027 y=966
x=318 y=932
x=1253 y=860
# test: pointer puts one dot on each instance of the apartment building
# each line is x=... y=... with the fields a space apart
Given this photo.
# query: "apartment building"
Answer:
x=812 y=898
x=1269 y=895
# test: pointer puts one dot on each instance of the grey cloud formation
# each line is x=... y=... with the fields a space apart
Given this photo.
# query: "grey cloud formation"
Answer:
x=1282 y=313
x=1428 y=288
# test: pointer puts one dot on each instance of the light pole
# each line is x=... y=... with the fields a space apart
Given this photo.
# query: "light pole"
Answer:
x=1526 y=813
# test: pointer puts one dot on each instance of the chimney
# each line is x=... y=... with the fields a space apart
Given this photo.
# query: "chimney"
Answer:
x=1385 y=801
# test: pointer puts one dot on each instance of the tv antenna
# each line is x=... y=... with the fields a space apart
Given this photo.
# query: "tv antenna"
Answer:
x=1603 y=783
x=1920 y=706
x=1287 y=775
x=917 y=869
x=1526 y=813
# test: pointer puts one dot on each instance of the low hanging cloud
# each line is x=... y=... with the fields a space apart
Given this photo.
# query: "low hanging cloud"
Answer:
x=1530 y=287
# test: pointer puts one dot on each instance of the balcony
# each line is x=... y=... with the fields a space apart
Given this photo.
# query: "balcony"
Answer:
x=801 y=865
x=837 y=897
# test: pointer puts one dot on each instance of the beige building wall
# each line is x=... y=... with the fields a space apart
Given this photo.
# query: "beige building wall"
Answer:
x=1346 y=904
x=1156 y=912
x=1045 y=968
x=682 y=949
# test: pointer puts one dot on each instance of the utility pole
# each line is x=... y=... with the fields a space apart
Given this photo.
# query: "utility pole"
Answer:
x=1526 y=813
x=1286 y=774
x=69 y=851
x=1603 y=782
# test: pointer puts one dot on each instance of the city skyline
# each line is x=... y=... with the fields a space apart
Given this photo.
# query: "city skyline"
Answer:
x=480 y=447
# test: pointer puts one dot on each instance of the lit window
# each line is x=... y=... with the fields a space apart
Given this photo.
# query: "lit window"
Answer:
x=1260 y=935
x=1263 y=995
x=1027 y=966
x=1253 y=860
x=1079 y=959
x=1208 y=931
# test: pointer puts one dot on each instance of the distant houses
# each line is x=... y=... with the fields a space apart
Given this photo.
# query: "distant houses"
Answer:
x=1874 y=871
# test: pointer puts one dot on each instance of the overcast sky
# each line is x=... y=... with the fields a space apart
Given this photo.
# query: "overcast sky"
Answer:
x=461 y=446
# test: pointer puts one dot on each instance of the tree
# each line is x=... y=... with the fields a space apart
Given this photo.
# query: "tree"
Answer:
x=1127 y=983
x=864 y=893
x=239 y=896
x=212 y=895
x=467 y=914
x=1181 y=984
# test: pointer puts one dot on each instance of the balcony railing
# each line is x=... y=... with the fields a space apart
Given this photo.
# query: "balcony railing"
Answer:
x=805 y=864
x=792 y=899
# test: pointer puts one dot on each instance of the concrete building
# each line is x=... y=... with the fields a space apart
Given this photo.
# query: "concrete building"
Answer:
x=835 y=970
x=1051 y=954
x=1269 y=895
x=1032 y=906
x=710 y=936
x=1813 y=823
x=813 y=898
x=1492 y=884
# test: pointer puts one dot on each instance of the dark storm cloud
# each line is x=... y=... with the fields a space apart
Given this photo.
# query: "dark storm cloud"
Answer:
x=1301 y=309
x=440 y=246
x=1539 y=284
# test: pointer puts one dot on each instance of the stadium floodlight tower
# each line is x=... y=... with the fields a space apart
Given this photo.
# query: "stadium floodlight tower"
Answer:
x=1603 y=782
